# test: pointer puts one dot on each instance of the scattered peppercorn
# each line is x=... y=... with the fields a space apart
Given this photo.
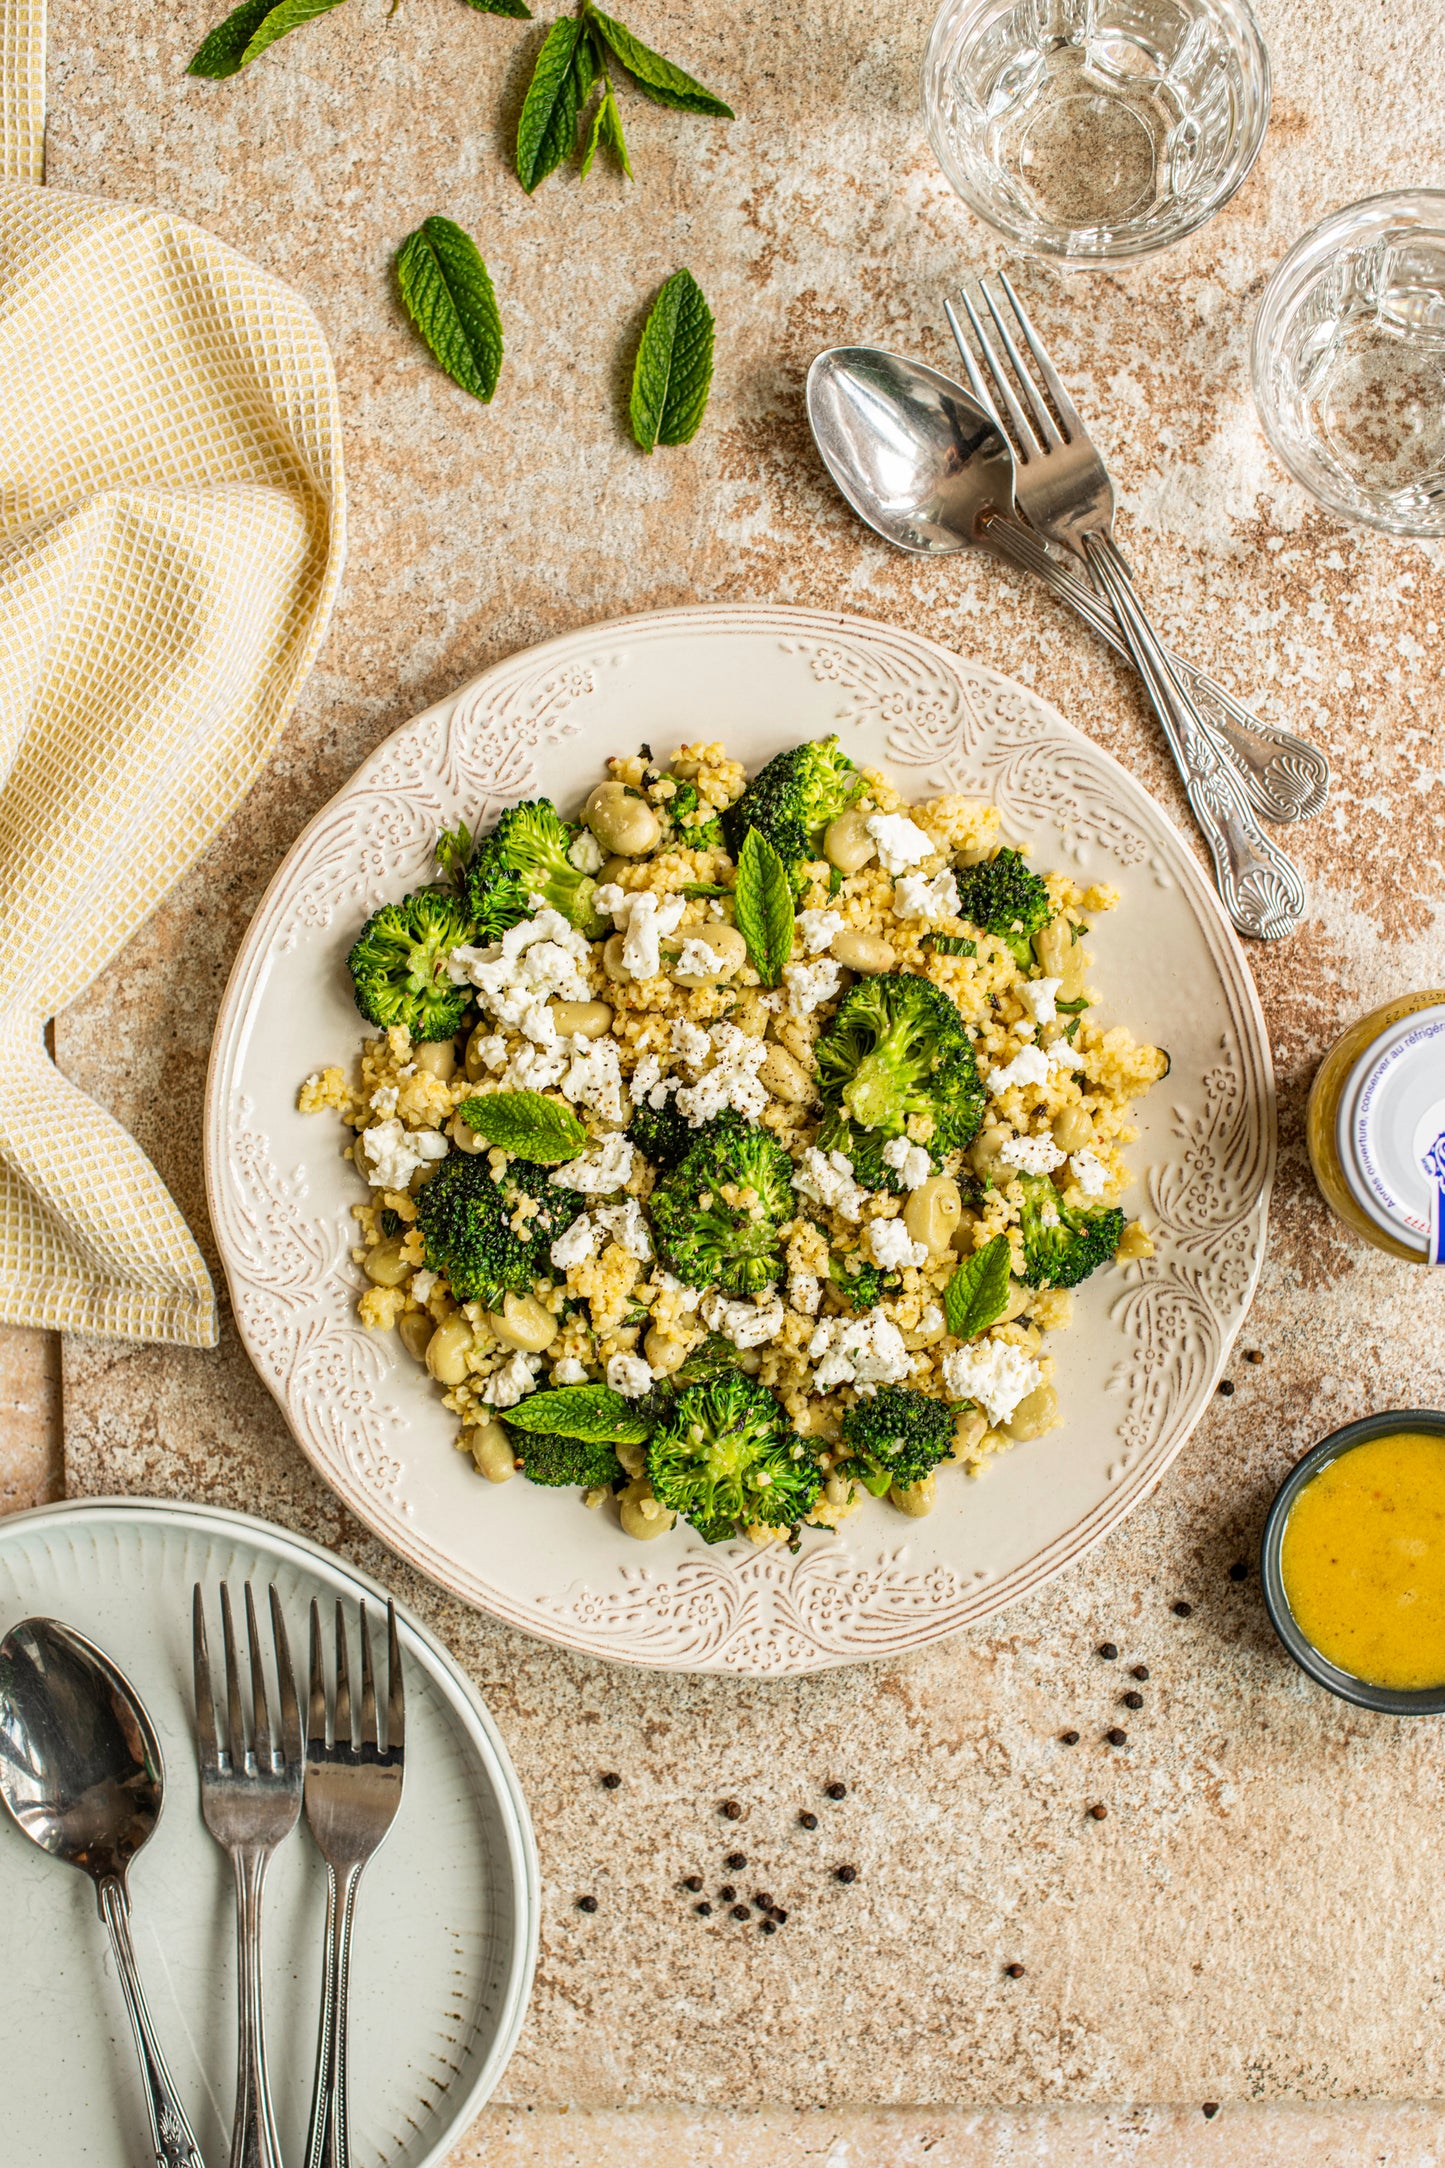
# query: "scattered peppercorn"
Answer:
x=736 y=1860
x=1239 y=1571
x=779 y=1914
x=693 y=1882
x=1132 y=1700
x=809 y=1821
x=1108 y=1651
x=762 y=1900
x=1183 y=1610
x=732 y=1810
x=727 y=1893
x=1015 y=1972
x=768 y=1927
x=1211 y=2109
x=1098 y=1811
x=587 y=1904
x=704 y=1910
x=836 y=1791
x=1116 y=1737
x=1254 y=1355
x=1226 y=1386
x=740 y=1912
x=846 y=1874
x=1141 y=1671
x=1069 y=1738
x=611 y=1781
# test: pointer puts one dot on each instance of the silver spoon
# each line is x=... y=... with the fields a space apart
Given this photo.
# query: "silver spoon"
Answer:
x=924 y=466
x=80 y=1770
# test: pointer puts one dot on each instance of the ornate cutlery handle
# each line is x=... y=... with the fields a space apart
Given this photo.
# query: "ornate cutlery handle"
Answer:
x=171 y=2135
x=1262 y=890
x=1284 y=777
x=254 y=2143
x=330 y=2141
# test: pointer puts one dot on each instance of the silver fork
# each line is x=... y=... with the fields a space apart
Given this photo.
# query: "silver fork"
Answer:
x=352 y=1793
x=250 y=1798
x=1064 y=491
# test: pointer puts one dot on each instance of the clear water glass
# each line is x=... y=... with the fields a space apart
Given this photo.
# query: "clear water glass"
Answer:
x=1348 y=361
x=1096 y=130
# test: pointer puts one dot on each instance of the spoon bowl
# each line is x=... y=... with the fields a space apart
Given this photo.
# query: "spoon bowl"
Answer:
x=917 y=458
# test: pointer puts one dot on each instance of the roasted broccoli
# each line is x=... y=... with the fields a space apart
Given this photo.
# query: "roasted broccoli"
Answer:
x=524 y=856
x=792 y=802
x=724 y=1455
x=1063 y=1244
x=1002 y=897
x=897 y=1047
x=554 y=1461
x=661 y=1134
x=863 y=1148
x=469 y=1221
x=399 y=965
x=861 y=1283
x=716 y=1214
x=899 y=1436
x=698 y=835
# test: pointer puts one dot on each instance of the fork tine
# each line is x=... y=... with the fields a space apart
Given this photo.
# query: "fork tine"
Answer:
x=1027 y=441
x=1044 y=423
x=395 y=1689
x=206 y=1740
x=316 y=1701
x=236 y=1722
x=263 y=1738
x=342 y=1733
x=971 y=370
x=286 y=1683
x=1067 y=411
x=368 y=1684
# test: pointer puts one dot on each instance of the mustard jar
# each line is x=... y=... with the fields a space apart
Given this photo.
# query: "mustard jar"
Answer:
x=1375 y=1127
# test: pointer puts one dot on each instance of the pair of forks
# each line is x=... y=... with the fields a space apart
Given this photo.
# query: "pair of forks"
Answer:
x=253 y=1780
x=1063 y=490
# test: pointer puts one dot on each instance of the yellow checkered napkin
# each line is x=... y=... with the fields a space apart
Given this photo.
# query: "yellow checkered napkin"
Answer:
x=171 y=538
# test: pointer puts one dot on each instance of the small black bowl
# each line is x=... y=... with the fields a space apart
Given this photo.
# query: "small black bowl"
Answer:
x=1388 y=1700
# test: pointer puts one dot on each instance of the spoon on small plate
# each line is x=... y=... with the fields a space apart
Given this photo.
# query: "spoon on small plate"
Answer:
x=924 y=466
x=81 y=1772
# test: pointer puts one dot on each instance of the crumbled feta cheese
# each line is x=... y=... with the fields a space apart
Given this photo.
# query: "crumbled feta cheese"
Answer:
x=627 y=1227
x=391 y=1154
x=629 y=1375
x=804 y=1289
x=745 y=1324
x=1089 y=1171
x=909 y=1162
x=1029 y=1066
x=695 y=960
x=893 y=1246
x=594 y=1079
x=916 y=897
x=569 y=1372
x=575 y=1244
x=383 y=1099
x=994 y=1373
x=1039 y=995
x=642 y=918
x=505 y=1387
x=492 y=1050
x=585 y=852
x=810 y=984
x=863 y=1351
x=1031 y=1155
x=732 y=1081
x=931 y=1321
x=645 y=1078
x=828 y=1179
x=691 y=1043
x=594 y=1174
x=534 y=1068
x=687 y=1297
x=1064 y=1056
x=422 y=1284
x=901 y=842
x=539 y=960
x=818 y=929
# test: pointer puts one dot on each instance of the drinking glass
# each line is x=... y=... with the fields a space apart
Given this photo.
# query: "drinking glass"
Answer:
x=1348 y=361
x=1096 y=130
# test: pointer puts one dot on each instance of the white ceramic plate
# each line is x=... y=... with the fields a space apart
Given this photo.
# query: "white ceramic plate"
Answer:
x=1147 y=1347
x=446 y=1917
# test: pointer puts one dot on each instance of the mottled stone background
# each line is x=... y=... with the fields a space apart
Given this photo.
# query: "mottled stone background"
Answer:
x=1259 y=1917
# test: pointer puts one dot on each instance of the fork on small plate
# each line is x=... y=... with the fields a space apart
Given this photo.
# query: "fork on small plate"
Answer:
x=250 y=1799
x=1063 y=489
x=353 y=1789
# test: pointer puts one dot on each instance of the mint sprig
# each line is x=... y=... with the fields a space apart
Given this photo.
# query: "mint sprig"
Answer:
x=657 y=78
x=977 y=1295
x=672 y=375
x=763 y=902
x=526 y=1124
x=249 y=30
x=593 y=1413
x=447 y=292
x=577 y=56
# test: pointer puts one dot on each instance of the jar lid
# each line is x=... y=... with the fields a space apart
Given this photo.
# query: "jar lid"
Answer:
x=1391 y=1132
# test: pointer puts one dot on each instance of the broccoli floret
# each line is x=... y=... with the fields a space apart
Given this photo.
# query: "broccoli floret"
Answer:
x=399 y=965
x=1063 y=1244
x=1002 y=897
x=792 y=801
x=698 y=835
x=555 y=1461
x=863 y=1284
x=467 y=1219
x=897 y=1047
x=703 y=1238
x=862 y=1147
x=898 y=1436
x=524 y=856
x=661 y=1134
x=724 y=1455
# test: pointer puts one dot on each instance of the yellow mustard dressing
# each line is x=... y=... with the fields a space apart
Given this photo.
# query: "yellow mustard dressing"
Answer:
x=1363 y=1560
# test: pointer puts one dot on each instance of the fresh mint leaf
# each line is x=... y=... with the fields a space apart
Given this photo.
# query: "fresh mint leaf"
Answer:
x=953 y=944
x=977 y=1295
x=705 y=888
x=564 y=74
x=527 y=1124
x=763 y=901
x=248 y=31
x=517 y=9
x=1072 y=1008
x=448 y=294
x=661 y=80
x=607 y=130
x=672 y=374
x=593 y=1413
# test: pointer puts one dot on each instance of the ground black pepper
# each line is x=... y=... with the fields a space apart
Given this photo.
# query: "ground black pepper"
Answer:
x=1132 y=1700
x=727 y=1893
x=1254 y=1355
x=1069 y=1738
x=1183 y=1610
x=1015 y=1972
x=809 y=1821
x=846 y=1874
x=1108 y=1651
x=762 y=1900
x=1210 y=2110
x=611 y=1781
x=704 y=1910
x=1226 y=1386
x=779 y=1914
x=692 y=1882
x=732 y=1810
x=1141 y=1671
x=735 y=1860
x=587 y=1904
x=740 y=1912
x=1116 y=1737
x=836 y=1791
x=1098 y=1810
x=1239 y=1571
x=768 y=1927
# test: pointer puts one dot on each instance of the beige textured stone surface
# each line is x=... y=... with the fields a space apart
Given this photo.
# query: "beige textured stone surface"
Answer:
x=1256 y=1918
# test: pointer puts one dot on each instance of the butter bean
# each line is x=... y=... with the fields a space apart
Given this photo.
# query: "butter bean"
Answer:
x=385 y=1265
x=968 y=1434
x=915 y=1499
x=581 y=1019
x=1062 y=957
x=612 y=963
x=415 y=1331
x=867 y=953
x=728 y=947
x=663 y=1351
x=847 y=843
x=1136 y=1242
x=785 y=1078
x=633 y=1459
x=438 y=1057
x=642 y=1516
x=1037 y=1412
x=523 y=1323
x=493 y=1451
x=1073 y=1131
x=932 y=1213
x=446 y=1354
x=983 y=1154
x=624 y=825
x=464 y=1137
x=475 y=1066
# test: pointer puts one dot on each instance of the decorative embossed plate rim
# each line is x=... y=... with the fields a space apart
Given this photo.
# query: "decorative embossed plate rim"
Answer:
x=1138 y=1368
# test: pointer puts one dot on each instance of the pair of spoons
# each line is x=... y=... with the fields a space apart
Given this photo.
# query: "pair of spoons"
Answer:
x=925 y=467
